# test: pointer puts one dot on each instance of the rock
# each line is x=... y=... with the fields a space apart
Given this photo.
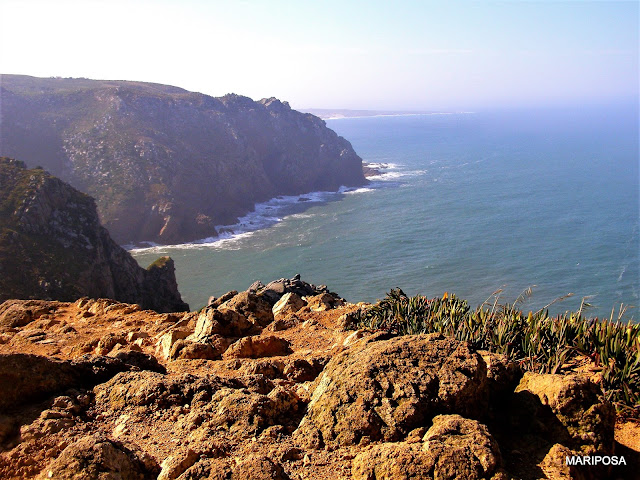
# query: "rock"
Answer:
x=454 y=447
x=289 y=303
x=25 y=378
x=257 y=467
x=383 y=389
x=216 y=302
x=133 y=336
x=554 y=465
x=303 y=370
x=245 y=414
x=211 y=350
x=323 y=301
x=151 y=389
x=49 y=422
x=228 y=323
x=141 y=360
x=461 y=448
x=161 y=287
x=256 y=347
x=276 y=289
x=256 y=309
x=97 y=458
x=348 y=321
x=18 y=313
x=270 y=368
x=285 y=323
x=175 y=465
x=565 y=409
x=109 y=341
x=168 y=340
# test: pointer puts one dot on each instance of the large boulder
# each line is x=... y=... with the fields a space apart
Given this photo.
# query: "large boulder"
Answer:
x=453 y=448
x=227 y=323
x=382 y=389
x=98 y=458
x=565 y=409
x=289 y=303
x=255 y=308
x=256 y=347
x=26 y=377
x=18 y=313
x=154 y=390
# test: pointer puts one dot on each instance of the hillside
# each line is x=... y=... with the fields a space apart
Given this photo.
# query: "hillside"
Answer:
x=164 y=164
x=52 y=246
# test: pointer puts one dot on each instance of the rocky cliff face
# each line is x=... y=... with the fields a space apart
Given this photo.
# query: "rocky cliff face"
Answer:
x=52 y=246
x=165 y=164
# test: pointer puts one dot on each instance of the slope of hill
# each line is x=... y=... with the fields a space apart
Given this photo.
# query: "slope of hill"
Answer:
x=165 y=164
x=52 y=246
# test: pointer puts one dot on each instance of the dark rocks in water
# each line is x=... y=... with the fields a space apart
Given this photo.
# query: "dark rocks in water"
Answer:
x=52 y=246
x=167 y=165
x=368 y=171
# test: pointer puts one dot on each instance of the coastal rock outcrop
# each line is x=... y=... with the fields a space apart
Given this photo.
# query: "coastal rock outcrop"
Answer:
x=164 y=403
x=52 y=246
x=164 y=164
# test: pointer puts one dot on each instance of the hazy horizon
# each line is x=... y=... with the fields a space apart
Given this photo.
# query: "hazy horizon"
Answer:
x=360 y=55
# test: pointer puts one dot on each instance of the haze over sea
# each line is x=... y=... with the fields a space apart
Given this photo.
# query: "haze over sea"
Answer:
x=468 y=203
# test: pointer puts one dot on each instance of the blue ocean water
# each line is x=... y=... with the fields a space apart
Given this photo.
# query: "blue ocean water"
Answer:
x=468 y=203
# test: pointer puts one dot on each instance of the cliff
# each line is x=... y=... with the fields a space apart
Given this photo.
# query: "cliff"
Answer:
x=52 y=246
x=165 y=164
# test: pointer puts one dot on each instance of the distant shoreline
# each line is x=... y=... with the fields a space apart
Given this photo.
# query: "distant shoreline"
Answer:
x=339 y=114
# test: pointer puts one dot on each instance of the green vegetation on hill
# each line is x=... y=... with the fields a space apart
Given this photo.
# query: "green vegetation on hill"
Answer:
x=535 y=340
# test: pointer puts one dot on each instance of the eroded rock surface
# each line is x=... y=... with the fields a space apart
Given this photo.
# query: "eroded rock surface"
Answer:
x=383 y=389
x=217 y=395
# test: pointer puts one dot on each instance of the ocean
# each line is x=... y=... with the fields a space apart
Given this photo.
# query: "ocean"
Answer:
x=468 y=203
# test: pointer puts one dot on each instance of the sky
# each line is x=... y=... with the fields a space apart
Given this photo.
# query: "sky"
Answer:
x=381 y=55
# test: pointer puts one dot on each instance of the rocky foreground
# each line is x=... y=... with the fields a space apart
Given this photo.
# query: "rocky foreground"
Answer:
x=275 y=383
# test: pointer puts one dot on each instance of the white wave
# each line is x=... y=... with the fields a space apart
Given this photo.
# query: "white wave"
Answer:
x=624 y=270
x=359 y=190
x=394 y=175
x=264 y=215
x=382 y=165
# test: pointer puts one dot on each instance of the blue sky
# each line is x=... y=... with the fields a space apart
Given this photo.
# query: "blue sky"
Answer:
x=327 y=54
